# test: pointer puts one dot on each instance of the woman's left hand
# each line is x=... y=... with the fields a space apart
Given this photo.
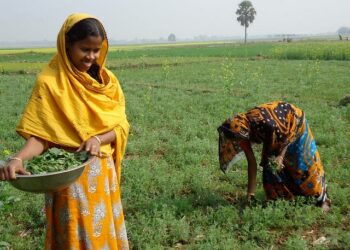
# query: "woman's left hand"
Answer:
x=92 y=146
x=280 y=158
x=279 y=161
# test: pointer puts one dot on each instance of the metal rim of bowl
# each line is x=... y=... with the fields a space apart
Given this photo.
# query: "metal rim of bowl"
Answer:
x=91 y=159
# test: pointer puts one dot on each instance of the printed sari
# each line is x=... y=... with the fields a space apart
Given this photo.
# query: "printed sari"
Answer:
x=88 y=214
x=302 y=174
x=279 y=125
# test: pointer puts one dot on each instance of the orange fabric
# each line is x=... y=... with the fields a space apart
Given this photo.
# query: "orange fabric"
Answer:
x=282 y=126
x=275 y=124
x=303 y=173
x=88 y=214
x=310 y=171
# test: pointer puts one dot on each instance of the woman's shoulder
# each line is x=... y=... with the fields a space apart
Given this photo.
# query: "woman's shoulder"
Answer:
x=47 y=75
x=43 y=77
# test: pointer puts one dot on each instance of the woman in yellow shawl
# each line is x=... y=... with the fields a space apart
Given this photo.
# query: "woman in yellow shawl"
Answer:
x=78 y=104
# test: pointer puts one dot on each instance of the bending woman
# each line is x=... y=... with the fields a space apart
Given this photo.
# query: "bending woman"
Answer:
x=77 y=104
x=287 y=142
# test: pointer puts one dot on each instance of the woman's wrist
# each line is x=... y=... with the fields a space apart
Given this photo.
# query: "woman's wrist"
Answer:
x=105 y=138
x=16 y=158
x=98 y=139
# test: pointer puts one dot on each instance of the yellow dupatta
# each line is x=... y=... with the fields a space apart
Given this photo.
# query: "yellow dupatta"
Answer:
x=68 y=106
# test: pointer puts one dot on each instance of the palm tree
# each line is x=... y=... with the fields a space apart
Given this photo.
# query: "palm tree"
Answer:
x=246 y=14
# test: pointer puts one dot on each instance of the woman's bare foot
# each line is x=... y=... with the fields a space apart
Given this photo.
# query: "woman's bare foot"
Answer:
x=326 y=205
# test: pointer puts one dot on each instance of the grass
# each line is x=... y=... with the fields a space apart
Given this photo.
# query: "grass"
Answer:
x=174 y=195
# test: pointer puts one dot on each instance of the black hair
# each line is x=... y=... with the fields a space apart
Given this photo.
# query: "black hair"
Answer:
x=225 y=129
x=85 y=28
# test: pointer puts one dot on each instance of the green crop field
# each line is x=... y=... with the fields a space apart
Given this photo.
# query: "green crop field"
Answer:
x=174 y=195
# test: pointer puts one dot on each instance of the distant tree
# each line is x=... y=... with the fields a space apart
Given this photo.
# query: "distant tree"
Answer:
x=344 y=31
x=172 y=38
x=246 y=14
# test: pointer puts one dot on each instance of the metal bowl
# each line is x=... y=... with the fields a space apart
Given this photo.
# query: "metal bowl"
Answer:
x=49 y=182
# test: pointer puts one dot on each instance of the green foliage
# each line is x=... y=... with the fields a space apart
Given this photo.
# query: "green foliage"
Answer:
x=295 y=243
x=312 y=51
x=273 y=166
x=31 y=62
x=22 y=219
x=246 y=13
x=174 y=194
x=54 y=160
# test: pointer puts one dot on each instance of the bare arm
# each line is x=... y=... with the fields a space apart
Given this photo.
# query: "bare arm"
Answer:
x=93 y=144
x=252 y=168
x=33 y=147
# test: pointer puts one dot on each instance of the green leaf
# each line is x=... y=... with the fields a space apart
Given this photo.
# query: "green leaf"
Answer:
x=4 y=244
x=55 y=159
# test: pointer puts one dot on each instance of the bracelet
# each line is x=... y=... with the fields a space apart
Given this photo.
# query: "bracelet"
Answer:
x=16 y=158
x=98 y=139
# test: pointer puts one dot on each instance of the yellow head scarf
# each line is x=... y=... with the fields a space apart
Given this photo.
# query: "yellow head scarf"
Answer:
x=68 y=106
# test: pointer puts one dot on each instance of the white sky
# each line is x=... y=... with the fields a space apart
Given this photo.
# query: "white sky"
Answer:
x=36 y=20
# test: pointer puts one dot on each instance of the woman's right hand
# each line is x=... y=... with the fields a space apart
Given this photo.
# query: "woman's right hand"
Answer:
x=8 y=172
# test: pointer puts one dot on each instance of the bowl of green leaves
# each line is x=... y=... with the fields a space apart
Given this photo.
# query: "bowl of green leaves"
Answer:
x=52 y=171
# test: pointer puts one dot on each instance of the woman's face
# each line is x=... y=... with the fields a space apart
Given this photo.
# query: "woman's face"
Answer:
x=84 y=53
x=228 y=150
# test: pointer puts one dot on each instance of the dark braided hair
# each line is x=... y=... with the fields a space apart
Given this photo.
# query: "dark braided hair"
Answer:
x=83 y=29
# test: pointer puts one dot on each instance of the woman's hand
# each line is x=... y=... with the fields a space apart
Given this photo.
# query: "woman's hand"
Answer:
x=279 y=161
x=34 y=146
x=8 y=172
x=280 y=158
x=92 y=146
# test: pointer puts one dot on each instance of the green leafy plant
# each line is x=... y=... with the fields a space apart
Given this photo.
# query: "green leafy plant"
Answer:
x=273 y=166
x=174 y=196
x=54 y=160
